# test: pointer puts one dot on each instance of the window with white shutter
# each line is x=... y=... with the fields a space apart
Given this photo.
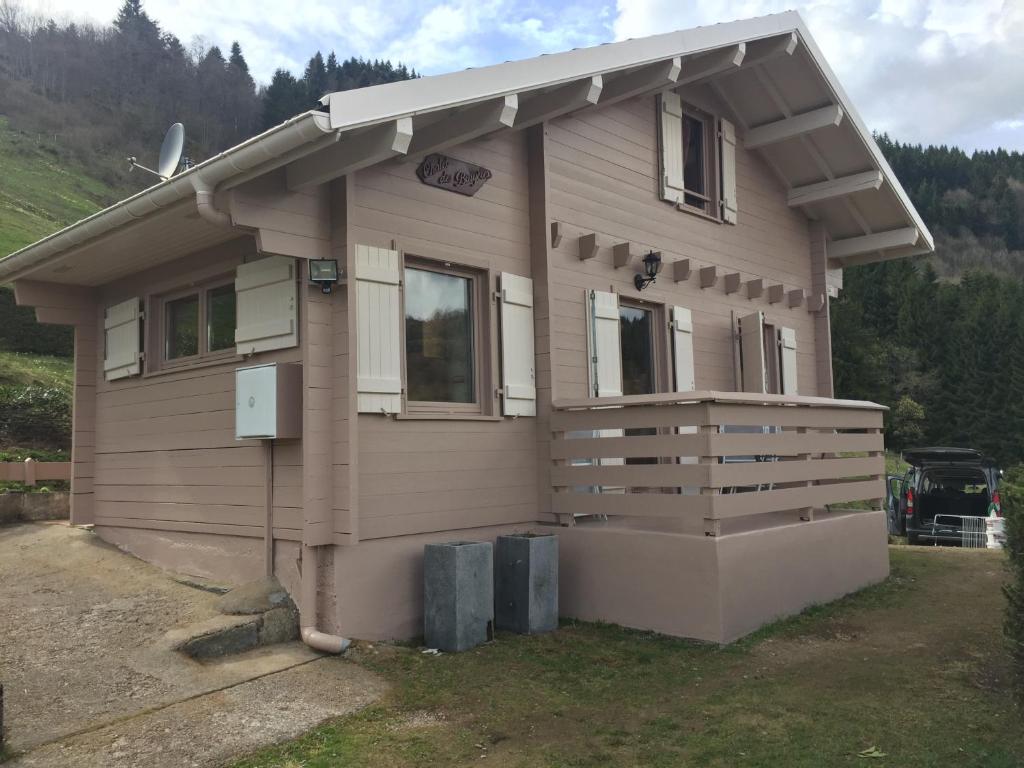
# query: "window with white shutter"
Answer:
x=266 y=305
x=787 y=360
x=379 y=339
x=122 y=355
x=682 y=349
x=671 y=110
x=518 y=376
x=752 y=356
x=727 y=135
x=604 y=344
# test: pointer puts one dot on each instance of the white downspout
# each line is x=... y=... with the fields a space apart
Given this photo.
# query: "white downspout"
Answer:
x=205 y=205
x=311 y=636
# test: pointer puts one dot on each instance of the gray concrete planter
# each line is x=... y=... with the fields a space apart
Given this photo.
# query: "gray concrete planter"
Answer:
x=18 y=506
x=526 y=583
x=458 y=594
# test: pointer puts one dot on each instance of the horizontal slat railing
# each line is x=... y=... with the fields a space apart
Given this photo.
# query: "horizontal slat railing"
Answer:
x=713 y=456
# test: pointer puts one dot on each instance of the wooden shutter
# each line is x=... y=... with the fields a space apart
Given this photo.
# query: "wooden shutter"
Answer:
x=752 y=353
x=671 y=147
x=379 y=338
x=727 y=132
x=682 y=349
x=266 y=305
x=121 y=333
x=604 y=344
x=787 y=360
x=518 y=377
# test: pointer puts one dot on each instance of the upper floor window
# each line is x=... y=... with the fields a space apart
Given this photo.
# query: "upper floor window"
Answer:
x=698 y=160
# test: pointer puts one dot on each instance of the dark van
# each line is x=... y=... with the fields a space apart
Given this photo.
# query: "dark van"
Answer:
x=946 y=494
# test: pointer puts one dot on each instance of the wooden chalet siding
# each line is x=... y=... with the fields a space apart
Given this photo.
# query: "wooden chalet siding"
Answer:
x=437 y=475
x=166 y=457
x=344 y=475
x=603 y=166
x=286 y=223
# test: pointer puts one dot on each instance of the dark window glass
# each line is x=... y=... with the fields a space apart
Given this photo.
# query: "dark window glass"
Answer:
x=694 y=177
x=182 y=327
x=636 y=335
x=220 y=318
x=439 y=337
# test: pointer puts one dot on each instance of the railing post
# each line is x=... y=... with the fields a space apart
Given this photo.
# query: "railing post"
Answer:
x=30 y=472
x=807 y=513
x=559 y=435
x=712 y=526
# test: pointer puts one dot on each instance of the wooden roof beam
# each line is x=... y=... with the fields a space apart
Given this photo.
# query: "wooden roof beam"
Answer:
x=833 y=188
x=793 y=127
x=880 y=241
x=360 y=151
x=651 y=77
x=560 y=101
x=768 y=48
x=465 y=125
x=709 y=65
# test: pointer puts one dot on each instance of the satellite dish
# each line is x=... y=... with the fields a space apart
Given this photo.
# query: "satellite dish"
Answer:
x=170 y=153
x=170 y=150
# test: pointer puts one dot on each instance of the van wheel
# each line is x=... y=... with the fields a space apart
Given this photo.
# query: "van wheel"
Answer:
x=913 y=538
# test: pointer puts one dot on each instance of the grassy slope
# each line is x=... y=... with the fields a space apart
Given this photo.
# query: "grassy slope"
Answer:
x=21 y=369
x=915 y=666
x=40 y=194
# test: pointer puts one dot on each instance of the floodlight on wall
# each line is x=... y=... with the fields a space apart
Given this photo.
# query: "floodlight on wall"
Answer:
x=323 y=272
x=652 y=266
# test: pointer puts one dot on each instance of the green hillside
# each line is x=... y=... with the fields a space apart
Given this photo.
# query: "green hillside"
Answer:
x=41 y=191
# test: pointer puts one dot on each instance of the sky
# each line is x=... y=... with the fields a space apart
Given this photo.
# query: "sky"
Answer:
x=929 y=71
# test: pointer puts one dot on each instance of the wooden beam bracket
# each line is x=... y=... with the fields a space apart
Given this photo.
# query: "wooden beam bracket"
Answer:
x=792 y=127
x=796 y=298
x=681 y=270
x=755 y=288
x=620 y=255
x=588 y=246
x=732 y=283
x=776 y=293
x=556 y=233
x=708 y=276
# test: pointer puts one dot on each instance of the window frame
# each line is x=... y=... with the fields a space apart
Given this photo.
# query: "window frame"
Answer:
x=660 y=342
x=201 y=289
x=480 y=325
x=712 y=165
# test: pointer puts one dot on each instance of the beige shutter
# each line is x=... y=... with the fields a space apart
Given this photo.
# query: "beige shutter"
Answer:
x=518 y=377
x=671 y=147
x=682 y=349
x=379 y=338
x=752 y=353
x=728 y=152
x=787 y=358
x=122 y=353
x=604 y=344
x=266 y=305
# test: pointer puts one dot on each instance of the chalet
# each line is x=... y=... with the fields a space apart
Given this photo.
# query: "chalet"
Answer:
x=586 y=292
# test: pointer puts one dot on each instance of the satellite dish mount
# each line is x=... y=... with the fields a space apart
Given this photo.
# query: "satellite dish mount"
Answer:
x=170 y=154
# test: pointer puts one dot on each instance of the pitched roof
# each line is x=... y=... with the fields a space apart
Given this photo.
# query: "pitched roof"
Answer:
x=767 y=72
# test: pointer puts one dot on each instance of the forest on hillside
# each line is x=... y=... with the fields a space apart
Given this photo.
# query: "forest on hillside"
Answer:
x=97 y=94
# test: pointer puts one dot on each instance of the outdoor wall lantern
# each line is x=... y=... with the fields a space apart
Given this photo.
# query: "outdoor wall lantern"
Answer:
x=323 y=272
x=652 y=266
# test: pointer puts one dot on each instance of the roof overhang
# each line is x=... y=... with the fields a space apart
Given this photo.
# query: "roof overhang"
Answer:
x=768 y=74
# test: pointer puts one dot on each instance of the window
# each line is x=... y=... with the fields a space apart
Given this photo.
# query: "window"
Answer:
x=697 y=158
x=198 y=323
x=636 y=331
x=771 y=360
x=441 y=320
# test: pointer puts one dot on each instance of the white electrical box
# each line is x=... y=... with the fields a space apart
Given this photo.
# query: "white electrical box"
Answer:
x=268 y=402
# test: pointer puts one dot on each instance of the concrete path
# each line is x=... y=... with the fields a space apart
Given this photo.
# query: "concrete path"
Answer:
x=90 y=681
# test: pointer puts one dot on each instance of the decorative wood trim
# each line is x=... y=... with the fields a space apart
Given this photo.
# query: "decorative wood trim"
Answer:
x=816 y=302
x=681 y=270
x=621 y=255
x=776 y=293
x=755 y=288
x=708 y=276
x=588 y=246
x=732 y=283
x=792 y=127
x=556 y=233
x=796 y=298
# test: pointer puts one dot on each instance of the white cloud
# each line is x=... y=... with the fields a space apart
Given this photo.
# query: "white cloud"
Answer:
x=934 y=71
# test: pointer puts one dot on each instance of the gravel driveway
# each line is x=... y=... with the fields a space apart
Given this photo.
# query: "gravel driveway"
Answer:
x=89 y=683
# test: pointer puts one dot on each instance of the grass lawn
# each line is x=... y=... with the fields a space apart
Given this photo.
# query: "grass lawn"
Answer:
x=22 y=369
x=915 y=667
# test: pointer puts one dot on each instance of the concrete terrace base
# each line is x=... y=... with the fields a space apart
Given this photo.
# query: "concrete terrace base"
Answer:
x=717 y=589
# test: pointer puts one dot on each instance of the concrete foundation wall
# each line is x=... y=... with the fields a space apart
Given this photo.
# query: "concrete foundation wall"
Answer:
x=768 y=574
x=18 y=507
x=379 y=583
